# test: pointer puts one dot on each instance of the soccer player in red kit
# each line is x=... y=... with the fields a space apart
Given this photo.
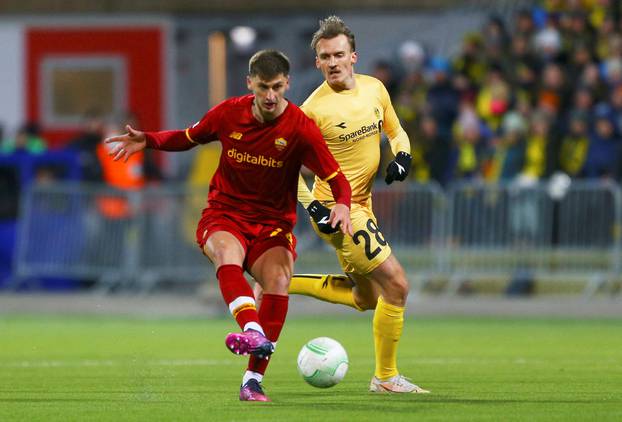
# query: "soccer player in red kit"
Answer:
x=251 y=210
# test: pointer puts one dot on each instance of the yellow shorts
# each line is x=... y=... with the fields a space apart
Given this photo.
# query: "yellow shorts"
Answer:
x=366 y=249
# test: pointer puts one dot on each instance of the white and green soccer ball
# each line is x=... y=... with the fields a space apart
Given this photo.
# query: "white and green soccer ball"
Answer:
x=322 y=362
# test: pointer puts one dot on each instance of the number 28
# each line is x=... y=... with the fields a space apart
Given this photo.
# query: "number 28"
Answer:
x=373 y=229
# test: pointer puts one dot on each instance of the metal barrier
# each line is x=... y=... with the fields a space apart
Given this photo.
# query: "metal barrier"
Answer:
x=470 y=230
x=525 y=231
x=63 y=233
x=167 y=246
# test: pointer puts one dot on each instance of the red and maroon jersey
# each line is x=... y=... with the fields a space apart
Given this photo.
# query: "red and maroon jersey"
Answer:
x=257 y=177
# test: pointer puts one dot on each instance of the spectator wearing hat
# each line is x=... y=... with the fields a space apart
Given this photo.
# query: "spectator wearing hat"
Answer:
x=548 y=45
x=442 y=98
x=603 y=155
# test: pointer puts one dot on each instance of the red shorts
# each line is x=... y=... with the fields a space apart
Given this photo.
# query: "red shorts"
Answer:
x=255 y=238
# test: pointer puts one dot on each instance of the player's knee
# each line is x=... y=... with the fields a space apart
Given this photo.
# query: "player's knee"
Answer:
x=396 y=289
x=402 y=288
x=277 y=284
x=223 y=256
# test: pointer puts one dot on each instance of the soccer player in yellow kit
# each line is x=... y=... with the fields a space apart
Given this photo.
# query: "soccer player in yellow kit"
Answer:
x=351 y=111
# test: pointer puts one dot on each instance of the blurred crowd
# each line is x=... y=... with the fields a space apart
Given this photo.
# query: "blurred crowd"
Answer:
x=526 y=97
x=26 y=158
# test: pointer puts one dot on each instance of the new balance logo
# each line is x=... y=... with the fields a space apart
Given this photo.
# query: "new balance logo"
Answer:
x=235 y=135
x=342 y=125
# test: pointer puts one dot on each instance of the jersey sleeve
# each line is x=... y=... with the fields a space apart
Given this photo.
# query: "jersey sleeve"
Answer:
x=202 y=132
x=398 y=139
x=206 y=129
x=168 y=140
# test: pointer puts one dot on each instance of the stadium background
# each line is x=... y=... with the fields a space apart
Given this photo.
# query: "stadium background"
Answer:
x=508 y=227
x=488 y=92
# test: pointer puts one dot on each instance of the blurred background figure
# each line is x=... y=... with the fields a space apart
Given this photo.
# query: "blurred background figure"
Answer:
x=493 y=100
x=469 y=147
x=507 y=157
x=603 y=154
x=28 y=139
x=433 y=148
x=513 y=109
x=574 y=144
x=86 y=145
x=442 y=98
x=514 y=93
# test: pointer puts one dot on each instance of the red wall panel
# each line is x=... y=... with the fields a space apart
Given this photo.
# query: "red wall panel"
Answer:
x=141 y=47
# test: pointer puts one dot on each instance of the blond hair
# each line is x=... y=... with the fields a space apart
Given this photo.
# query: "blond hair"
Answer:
x=331 y=27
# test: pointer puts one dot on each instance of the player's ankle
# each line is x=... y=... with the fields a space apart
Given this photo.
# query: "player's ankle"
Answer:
x=248 y=375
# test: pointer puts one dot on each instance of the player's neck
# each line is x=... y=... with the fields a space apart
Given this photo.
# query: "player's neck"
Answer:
x=346 y=85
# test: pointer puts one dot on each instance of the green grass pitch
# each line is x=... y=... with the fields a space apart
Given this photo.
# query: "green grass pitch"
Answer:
x=113 y=369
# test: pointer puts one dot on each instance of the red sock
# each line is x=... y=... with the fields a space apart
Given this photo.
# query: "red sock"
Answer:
x=272 y=317
x=238 y=296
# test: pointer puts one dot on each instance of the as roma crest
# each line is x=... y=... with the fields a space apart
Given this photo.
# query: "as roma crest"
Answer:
x=280 y=144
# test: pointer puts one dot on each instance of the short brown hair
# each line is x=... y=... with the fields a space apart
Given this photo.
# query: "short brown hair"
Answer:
x=331 y=27
x=268 y=64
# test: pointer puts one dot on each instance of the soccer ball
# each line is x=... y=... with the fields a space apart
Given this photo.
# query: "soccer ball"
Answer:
x=322 y=362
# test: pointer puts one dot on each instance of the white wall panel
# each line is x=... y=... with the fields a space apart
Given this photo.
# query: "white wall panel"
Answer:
x=11 y=76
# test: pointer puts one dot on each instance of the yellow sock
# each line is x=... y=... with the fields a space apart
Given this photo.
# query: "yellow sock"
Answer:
x=327 y=287
x=388 y=324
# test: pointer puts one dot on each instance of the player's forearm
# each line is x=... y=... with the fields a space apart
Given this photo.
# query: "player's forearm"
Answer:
x=169 y=140
x=400 y=142
x=342 y=192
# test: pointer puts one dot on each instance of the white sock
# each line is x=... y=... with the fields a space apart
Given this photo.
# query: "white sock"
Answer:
x=253 y=326
x=250 y=374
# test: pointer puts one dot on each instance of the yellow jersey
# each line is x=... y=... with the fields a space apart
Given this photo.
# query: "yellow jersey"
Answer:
x=352 y=122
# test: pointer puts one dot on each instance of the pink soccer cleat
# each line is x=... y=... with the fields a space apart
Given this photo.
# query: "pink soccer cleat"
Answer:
x=249 y=342
x=252 y=391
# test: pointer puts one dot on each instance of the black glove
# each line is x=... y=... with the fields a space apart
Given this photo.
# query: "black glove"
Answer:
x=320 y=214
x=398 y=168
